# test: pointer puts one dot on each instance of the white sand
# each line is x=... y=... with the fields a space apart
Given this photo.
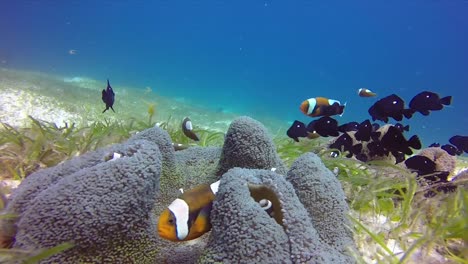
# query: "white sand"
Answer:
x=17 y=105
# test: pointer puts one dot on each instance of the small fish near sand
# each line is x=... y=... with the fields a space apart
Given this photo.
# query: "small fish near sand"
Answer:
x=321 y=106
x=426 y=101
x=187 y=129
x=363 y=92
x=108 y=97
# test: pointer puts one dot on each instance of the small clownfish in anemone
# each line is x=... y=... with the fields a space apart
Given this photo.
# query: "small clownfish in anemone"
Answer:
x=321 y=106
x=188 y=217
x=363 y=92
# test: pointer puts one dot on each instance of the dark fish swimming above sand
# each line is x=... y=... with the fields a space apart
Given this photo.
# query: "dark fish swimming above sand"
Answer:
x=324 y=126
x=297 y=130
x=391 y=106
x=108 y=97
x=461 y=142
x=426 y=101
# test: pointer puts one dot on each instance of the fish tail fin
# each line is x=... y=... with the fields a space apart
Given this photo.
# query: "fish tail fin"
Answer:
x=425 y=112
x=414 y=142
x=342 y=108
x=446 y=100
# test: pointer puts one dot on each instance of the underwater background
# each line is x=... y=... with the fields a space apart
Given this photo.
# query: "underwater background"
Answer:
x=256 y=58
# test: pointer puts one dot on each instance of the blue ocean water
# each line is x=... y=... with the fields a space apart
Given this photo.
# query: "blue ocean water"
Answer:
x=261 y=58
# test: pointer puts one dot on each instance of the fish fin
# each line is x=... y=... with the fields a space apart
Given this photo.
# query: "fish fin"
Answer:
x=375 y=135
x=425 y=112
x=362 y=157
x=408 y=113
x=108 y=82
x=414 y=142
x=105 y=109
x=342 y=107
x=296 y=139
x=406 y=128
x=446 y=100
x=356 y=149
x=399 y=156
x=112 y=109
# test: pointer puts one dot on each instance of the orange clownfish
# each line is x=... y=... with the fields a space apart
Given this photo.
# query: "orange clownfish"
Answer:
x=321 y=106
x=188 y=217
x=363 y=92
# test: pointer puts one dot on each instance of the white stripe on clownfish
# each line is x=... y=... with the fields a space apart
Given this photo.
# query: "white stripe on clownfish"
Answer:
x=180 y=209
x=312 y=104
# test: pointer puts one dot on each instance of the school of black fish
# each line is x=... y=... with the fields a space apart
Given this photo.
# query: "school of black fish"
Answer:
x=379 y=141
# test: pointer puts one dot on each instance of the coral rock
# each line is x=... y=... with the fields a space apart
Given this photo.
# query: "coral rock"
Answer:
x=321 y=193
x=248 y=145
x=99 y=202
x=244 y=233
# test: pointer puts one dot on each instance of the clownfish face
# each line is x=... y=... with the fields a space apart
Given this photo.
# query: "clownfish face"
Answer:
x=167 y=228
x=305 y=107
x=177 y=223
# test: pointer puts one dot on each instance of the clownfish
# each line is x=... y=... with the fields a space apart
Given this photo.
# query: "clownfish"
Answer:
x=363 y=92
x=321 y=106
x=187 y=128
x=188 y=217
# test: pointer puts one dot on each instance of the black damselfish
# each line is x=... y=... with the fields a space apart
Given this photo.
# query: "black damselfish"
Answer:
x=297 y=130
x=394 y=141
x=402 y=127
x=461 y=142
x=324 y=126
x=390 y=106
x=108 y=97
x=451 y=150
x=420 y=164
x=426 y=101
x=351 y=126
x=345 y=143
x=364 y=131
